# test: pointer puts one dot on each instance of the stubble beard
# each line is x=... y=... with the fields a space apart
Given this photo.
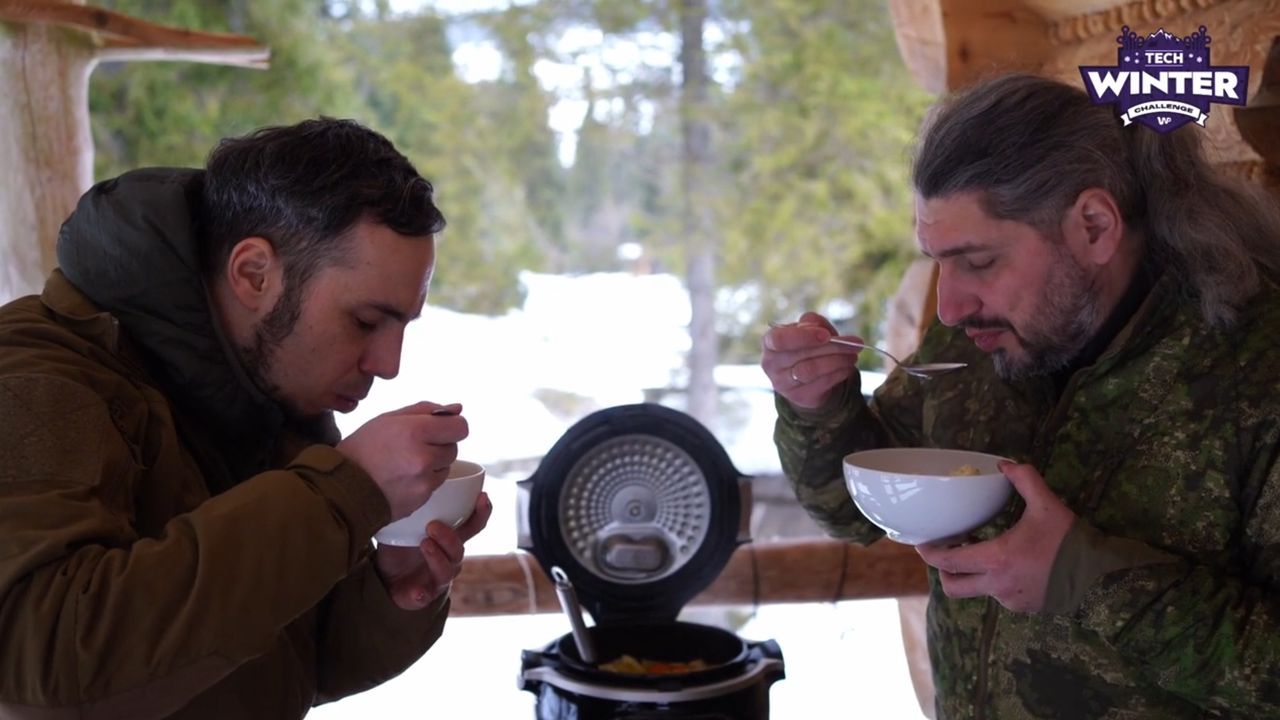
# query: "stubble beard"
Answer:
x=1068 y=316
x=259 y=356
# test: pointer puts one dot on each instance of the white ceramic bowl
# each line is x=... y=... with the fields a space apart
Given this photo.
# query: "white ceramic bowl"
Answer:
x=916 y=496
x=451 y=503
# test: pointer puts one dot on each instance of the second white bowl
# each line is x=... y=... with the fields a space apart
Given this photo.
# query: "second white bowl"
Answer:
x=920 y=495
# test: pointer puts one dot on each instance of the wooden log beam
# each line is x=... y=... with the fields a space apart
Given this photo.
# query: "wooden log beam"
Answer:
x=948 y=44
x=818 y=570
x=121 y=37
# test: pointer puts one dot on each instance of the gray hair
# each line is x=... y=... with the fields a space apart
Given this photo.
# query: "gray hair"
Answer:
x=1030 y=145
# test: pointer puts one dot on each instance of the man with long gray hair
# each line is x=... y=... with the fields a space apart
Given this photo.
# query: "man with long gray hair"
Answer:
x=1116 y=301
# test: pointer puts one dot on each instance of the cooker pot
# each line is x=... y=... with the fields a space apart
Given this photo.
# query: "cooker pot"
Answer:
x=641 y=507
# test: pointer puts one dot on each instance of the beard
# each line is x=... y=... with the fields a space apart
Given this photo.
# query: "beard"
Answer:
x=1063 y=320
x=258 y=357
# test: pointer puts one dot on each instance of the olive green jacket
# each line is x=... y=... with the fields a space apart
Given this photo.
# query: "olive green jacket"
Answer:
x=170 y=551
x=1165 y=597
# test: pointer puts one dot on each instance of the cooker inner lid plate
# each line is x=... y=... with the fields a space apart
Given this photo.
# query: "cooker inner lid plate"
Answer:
x=634 y=509
x=640 y=506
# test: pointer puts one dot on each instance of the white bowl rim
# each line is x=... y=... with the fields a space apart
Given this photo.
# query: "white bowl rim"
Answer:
x=848 y=460
x=464 y=470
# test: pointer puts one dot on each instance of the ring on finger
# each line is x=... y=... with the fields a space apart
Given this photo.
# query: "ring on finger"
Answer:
x=794 y=378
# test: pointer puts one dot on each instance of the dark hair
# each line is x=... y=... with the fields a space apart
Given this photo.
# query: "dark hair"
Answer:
x=303 y=187
x=1030 y=145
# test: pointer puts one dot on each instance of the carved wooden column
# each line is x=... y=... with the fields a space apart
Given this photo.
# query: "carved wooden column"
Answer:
x=1242 y=32
x=1259 y=123
x=47 y=51
x=947 y=44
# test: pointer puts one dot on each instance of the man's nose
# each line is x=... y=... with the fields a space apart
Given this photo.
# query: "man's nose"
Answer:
x=954 y=302
x=382 y=357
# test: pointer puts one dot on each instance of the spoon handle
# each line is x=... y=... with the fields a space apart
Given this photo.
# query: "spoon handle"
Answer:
x=850 y=343
x=865 y=346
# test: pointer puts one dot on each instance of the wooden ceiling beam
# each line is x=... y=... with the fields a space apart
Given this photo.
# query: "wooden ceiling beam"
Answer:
x=121 y=37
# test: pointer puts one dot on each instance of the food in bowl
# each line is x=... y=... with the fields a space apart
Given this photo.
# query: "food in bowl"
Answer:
x=966 y=469
x=917 y=496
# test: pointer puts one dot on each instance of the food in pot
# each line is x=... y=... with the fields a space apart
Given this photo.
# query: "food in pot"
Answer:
x=632 y=666
x=966 y=470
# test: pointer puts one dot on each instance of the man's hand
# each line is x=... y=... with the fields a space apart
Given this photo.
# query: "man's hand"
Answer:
x=802 y=366
x=415 y=576
x=408 y=452
x=1014 y=567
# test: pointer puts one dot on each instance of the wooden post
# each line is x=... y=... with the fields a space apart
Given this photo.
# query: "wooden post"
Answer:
x=1259 y=121
x=46 y=151
x=47 y=51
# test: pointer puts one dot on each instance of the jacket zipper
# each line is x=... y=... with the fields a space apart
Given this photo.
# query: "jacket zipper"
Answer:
x=1039 y=453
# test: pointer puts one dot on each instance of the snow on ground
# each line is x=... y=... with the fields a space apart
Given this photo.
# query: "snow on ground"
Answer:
x=603 y=338
x=580 y=344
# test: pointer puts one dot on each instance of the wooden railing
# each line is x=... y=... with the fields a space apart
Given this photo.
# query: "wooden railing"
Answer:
x=758 y=573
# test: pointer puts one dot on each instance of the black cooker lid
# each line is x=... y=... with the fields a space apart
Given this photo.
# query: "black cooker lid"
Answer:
x=641 y=506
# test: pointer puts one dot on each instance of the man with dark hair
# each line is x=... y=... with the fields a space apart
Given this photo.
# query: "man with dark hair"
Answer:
x=185 y=534
x=1116 y=301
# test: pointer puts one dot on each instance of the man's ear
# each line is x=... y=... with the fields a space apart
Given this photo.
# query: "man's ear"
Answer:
x=254 y=274
x=1093 y=227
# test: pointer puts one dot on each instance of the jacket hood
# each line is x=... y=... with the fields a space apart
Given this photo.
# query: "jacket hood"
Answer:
x=131 y=246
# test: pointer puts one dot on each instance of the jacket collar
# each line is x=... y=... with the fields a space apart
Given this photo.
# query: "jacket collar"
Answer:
x=1164 y=307
x=131 y=249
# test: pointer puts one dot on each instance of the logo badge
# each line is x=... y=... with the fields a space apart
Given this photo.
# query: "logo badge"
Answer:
x=1163 y=81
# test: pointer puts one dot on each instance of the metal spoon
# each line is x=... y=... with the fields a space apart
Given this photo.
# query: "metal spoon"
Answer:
x=924 y=370
x=569 y=602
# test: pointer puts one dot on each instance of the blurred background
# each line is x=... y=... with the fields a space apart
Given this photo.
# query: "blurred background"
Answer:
x=567 y=137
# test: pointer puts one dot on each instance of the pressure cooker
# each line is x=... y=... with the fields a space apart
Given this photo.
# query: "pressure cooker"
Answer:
x=641 y=508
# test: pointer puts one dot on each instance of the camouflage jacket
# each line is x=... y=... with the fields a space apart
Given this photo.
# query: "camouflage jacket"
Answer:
x=1169 y=442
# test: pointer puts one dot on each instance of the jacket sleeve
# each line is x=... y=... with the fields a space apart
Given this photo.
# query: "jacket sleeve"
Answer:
x=92 y=614
x=366 y=639
x=1208 y=634
x=812 y=445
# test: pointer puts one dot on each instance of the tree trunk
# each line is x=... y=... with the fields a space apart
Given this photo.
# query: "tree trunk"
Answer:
x=46 y=148
x=700 y=247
